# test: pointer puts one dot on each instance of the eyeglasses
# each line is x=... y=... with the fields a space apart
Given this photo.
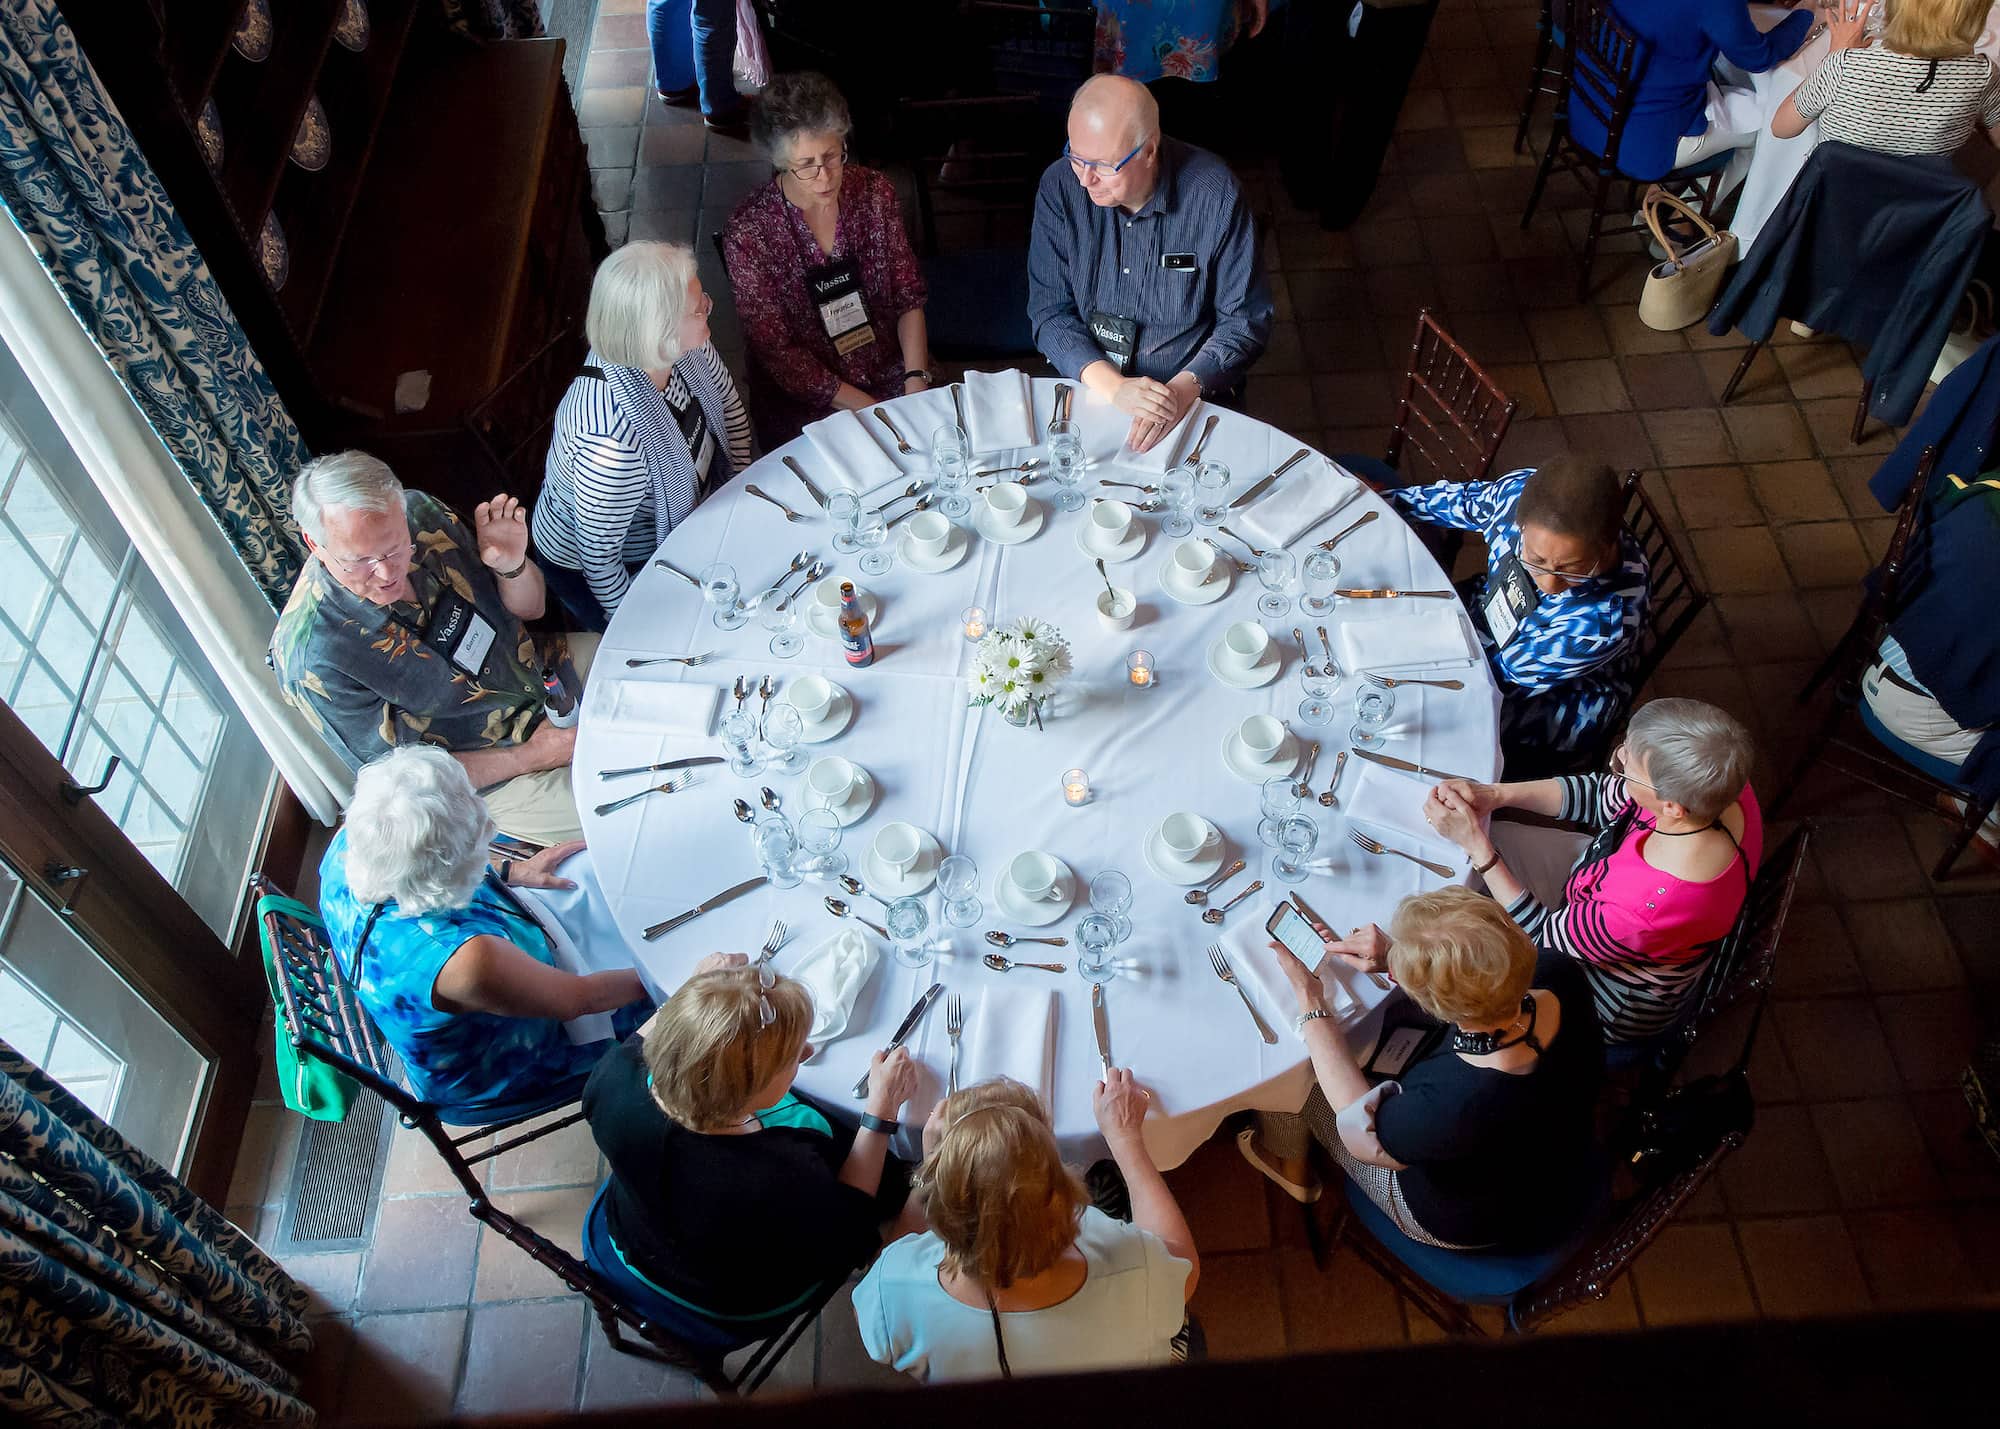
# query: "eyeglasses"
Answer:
x=813 y=168
x=766 y=979
x=1542 y=570
x=1100 y=165
x=1620 y=767
x=362 y=563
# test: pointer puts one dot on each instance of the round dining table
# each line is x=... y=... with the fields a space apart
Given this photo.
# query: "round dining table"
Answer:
x=989 y=790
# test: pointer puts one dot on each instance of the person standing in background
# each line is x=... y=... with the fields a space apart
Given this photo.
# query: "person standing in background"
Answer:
x=714 y=39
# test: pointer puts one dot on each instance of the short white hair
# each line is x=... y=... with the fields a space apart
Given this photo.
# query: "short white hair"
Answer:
x=1697 y=755
x=354 y=480
x=637 y=302
x=416 y=831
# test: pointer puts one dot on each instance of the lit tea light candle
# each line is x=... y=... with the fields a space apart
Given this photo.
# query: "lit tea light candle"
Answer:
x=1076 y=787
x=974 y=620
x=1139 y=667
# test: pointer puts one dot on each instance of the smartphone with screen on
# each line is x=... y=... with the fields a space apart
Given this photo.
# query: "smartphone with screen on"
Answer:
x=1290 y=927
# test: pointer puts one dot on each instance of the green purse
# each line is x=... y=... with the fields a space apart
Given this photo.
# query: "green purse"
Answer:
x=309 y=1086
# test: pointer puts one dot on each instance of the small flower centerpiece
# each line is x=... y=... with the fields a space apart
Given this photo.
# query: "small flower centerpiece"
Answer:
x=1017 y=666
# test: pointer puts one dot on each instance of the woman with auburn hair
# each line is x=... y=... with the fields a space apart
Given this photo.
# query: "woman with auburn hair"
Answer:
x=1922 y=90
x=1019 y=1273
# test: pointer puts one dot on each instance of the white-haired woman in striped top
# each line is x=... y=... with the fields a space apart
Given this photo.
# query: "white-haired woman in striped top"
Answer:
x=648 y=427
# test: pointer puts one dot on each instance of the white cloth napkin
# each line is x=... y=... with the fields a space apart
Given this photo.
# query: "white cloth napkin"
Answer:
x=1392 y=801
x=998 y=413
x=1440 y=636
x=583 y=935
x=1300 y=499
x=851 y=459
x=1009 y=1032
x=655 y=706
x=1349 y=994
x=834 y=973
x=1167 y=450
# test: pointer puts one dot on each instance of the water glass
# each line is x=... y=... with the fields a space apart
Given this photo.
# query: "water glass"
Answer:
x=1318 y=685
x=872 y=531
x=1111 y=895
x=1298 y=836
x=1372 y=707
x=739 y=738
x=819 y=835
x=1096 y=936
x=1320 y=574
x=1277 y=801
x=1277 y=570
x=908 y=921
x=1213 y=482
x=958 y=881
x=1177 y=489
x=784 y=733
x=779 y=614
x=950 y=466
x=844 y=509
x=1066 y=460
x=720 y=589
x=777 y=849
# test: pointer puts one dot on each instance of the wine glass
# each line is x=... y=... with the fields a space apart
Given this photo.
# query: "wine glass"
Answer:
x=908 y=921
x=1373 y=705
x=1066 y=460
x=1320 y=574
x=1111 y=895
x=844 y=508
x=777 y=850
x=950 y=456
x=720 y=589
x=1298 y=836
x=819 y=836
x=958 y=881
x=1177 y=488
x=1213 y=481
x=1277 y=800
x=1096 y=935
x=784 y=731
x=1277 y=570
x=739 y=737
x=872 y=531
x=1318 y=685
x=779 y=614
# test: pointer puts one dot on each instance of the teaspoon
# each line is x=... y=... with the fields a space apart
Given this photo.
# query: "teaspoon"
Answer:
x=1199 y=896
x=798 y=564
x=1214 y=915
x=813 y=573
x=1327 y=800
x=1311 y=670
x=1303 y=788
x=849 y=883
x=744 y=813
x=1001 y=965
x=841 y=910
x=1007 y=940
x=769 y=798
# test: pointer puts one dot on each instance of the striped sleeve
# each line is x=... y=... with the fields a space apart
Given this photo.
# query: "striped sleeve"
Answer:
x=735 y=418
x=608 y=484
x=1592 y=800
x=1460 y=505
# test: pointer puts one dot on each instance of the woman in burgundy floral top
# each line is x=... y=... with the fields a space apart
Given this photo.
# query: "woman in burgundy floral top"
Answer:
x=829 y=293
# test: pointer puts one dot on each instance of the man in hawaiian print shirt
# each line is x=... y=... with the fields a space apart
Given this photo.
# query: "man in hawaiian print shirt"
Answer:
x=405 y=627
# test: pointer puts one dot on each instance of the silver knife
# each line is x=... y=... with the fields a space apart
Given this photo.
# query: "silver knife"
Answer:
x=1346 y=594
x=910 y=1021
x=818 y=496
x=669 y=764
x=1261 y=487
x=1408 y=768
x=958 y=408
x=1102 y=1021
x=728 y=895
x=677 y=571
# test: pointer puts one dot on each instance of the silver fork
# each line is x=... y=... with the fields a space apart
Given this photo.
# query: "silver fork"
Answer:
x=772 y=943
x=672 y=786
x=633 y=663
x=1221 y=966
x=1368 y=845
x=902 y=446
x=1390 y=683
x=954 y=1023
x=760 y=493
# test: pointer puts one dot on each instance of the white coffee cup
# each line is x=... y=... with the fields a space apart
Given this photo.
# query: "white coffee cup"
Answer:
x=1117 y=608
x=1034 y=876
x=1194 y=562
x=826 y=595
x=831 y=781
x=1186 y=836
x=929 y=532
x=1110 y=521
x=1262 y=737
x=1007 y=502
x=812 y=697
x=898 y=846
x=1243 y=645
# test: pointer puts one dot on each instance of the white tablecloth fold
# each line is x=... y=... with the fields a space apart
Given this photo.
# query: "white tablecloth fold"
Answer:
x=1169 y=448
x=594 y=946
x=1392 y=803
x=851 y=459
x=1302 y=498
x=654 y=706
x=834 y=973
x=998 y=416
x=1349 y=995
x=1010 y=1031
x=1406 y=642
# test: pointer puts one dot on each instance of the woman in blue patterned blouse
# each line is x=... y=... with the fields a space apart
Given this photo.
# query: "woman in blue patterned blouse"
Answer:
x=456 y=972
x=1560 y=605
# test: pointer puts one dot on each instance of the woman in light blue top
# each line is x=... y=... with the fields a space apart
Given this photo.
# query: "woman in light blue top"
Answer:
x=1018 y=1273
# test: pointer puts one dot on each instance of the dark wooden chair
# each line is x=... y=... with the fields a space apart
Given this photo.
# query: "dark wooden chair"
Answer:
x=1848 y=739
x=1545 y=74
x=1601 y=62
x=1451 y=417
x=1676 y=600
x=322 y=1018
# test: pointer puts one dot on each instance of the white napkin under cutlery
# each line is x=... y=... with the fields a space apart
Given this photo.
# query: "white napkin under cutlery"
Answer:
x=999 y=416
x=656 y=706
x=851 y=457
x=1407 y=642
x=1299 y=500
x=1009 y=1032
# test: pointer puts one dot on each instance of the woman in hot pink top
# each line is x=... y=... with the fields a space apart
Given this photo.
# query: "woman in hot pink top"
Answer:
x=1678 y=836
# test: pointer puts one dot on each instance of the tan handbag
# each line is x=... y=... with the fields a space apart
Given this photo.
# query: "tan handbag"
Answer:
x=1680 y=291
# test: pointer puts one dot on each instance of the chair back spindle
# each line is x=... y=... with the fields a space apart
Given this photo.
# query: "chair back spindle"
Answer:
x=1451 y=415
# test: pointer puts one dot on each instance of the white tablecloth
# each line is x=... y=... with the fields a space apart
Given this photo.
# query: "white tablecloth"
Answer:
x=991 y=791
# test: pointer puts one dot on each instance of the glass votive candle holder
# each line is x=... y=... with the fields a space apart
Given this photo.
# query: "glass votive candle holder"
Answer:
x=1075 y=787
x=973 y=618
x=1139 y=668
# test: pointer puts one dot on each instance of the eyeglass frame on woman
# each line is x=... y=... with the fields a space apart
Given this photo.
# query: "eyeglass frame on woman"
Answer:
x=1539 y=569
x=1099 y=165
x=356 y=564
x=1618 y=762
x=813 y=168
x=766 y=980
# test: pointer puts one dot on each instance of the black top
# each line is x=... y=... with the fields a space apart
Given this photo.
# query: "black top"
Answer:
x=1503 y=1158
x=735 y=1225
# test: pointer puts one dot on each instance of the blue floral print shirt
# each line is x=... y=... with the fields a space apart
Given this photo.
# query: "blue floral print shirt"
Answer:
x=1158 y=39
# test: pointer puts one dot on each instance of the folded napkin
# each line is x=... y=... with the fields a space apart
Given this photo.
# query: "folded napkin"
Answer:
x=851 y=457
x=1168 y=449
x=834 y=973
x=1299 y=500
x=582 y=934
x=1391 y=801
x=1349 y=994
x=917 y=417
x=999 y=414
x=654 y=706
x=1009 y=1032
x=1439 y=636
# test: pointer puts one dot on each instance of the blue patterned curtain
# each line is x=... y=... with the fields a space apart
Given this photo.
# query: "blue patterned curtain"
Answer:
x=125 y=1299
x=80 y=191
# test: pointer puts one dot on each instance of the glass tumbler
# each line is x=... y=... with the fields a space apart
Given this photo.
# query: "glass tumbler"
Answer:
x=1298 y=836
x=720 y=589
x=1213 y=482
x=819 y=836
x=958 y=881
x=1066 y=460
x=908 y=921
x=777 y=850
x=951 y=458
x=1320 y=574
x=1177 y=490
x=1111 y=895
x=1277 y=570
x=1096 y=936
x=1277 y=800
x=1373 y=704
x=844 y=509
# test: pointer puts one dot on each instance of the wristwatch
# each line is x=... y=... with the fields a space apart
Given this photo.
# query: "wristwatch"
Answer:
x=872 y=1122
x=917 y=372
x=1313 y=1015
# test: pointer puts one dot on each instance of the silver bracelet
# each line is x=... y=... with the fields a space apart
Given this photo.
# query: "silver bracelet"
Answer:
x=1299 y=1022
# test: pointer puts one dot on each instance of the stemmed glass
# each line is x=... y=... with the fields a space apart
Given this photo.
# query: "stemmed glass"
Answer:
x=1298 y=836
x=1277 y=570
x=950 y=455
x=1096 y=935
x=1111 y=895
x=777 y=850
x=1213 y=481
x=908 y=921
x=1066 y=459
x=844 y=509
x=784 y=731
x=819 y=836
x=1277 y=801
x=720 y=589
x=1373 y=705
x=739 y=737
x=873 y=532
x=958 y=881
x=780 y=615
x=1177 y=487
x=1320 y=574
x=1318 y=685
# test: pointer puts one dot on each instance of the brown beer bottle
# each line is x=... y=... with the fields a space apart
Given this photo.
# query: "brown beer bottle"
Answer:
x=855 y=640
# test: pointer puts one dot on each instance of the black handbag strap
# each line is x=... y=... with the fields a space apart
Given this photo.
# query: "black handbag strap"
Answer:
x=999 y=1340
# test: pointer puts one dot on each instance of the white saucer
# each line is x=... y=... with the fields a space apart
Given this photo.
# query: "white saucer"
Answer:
x=1197 y=595
x=1236 y=759
x=1255 y=677
x=955 y=547
x=839 y=710
x=1033 y=518
x=884 y=880
x=1199 y=871
x=1126 y=550
x=1017 y=909
x=827 y=627
x=860 y=799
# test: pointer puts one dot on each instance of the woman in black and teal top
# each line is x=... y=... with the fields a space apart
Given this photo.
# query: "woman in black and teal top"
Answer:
x=732 y=1199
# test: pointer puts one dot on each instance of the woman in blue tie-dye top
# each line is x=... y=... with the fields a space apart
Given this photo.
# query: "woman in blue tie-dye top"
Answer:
x=456 y=972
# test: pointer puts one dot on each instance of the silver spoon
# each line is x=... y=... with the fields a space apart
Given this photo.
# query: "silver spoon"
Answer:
x=849 y=883
x=745 y=813
x=1253 y=550
x=1149 y=490
x=1243 y=567
x=1109 y=589
x=911 y=490
x=841 y=910
x=798 y=564
x=1312 y=670
x=769 y=798
x=742 y=693
x=902 y=446
x=1327 y=800
x=764 y=709
x=813 y=573
x=923 y=504
x=1001 y=965
x=1214 y=915
x=1302 y=789
x=1199 y=896
x=1332 y=670
x=1029 y=465
x=1007 y=940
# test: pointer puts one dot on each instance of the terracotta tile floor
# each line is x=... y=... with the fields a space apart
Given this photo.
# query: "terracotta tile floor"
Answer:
x=1859 y=1186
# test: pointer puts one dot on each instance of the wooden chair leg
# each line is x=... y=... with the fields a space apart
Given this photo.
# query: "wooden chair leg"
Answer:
x=1861 y=412
x=1591 y=235
x=1968 y=829
x=1556 y=140
x=1742 y=368
x=1543 y=40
